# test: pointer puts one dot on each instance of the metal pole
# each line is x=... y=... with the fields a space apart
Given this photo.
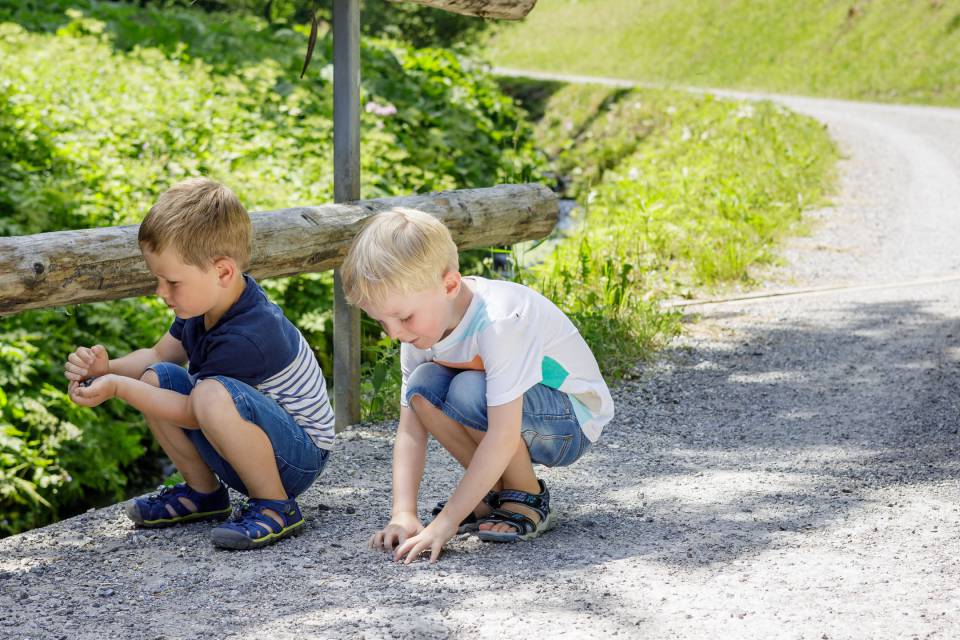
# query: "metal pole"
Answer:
x=346 y=188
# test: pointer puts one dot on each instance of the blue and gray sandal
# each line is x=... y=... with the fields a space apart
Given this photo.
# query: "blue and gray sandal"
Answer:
x=524 y=527
x=252 y=528
x=154 y=511
x=471 y=522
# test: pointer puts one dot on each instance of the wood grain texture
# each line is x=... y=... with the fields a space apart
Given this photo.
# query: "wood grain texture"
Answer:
x=501 y=9
x=71 y=267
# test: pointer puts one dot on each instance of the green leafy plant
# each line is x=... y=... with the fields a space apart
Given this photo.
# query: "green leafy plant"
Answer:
x=104 y=105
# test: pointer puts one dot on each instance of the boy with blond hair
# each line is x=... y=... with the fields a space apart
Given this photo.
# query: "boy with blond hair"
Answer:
x=251 y=412
x=493 y=370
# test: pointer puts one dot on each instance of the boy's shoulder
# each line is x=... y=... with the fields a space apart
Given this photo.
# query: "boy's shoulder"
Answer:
x=502 y=300
x=254 y=316
x=253 y=336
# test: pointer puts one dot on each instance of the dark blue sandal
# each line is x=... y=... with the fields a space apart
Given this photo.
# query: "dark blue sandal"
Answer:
x=471 y=522
x=151 y=511
x=252 y=528
x=524 y=528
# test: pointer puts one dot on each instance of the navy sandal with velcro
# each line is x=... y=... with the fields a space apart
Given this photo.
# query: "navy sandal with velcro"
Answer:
x=471 y=522
x=524 y=528
x=151 y=511
x=252 y=528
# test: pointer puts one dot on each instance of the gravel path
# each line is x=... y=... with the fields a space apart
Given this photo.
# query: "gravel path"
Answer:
x=787 y=469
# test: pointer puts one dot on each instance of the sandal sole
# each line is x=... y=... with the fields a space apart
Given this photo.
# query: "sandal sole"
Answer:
x=230 y=539
x=134 y=514
x=496 y=536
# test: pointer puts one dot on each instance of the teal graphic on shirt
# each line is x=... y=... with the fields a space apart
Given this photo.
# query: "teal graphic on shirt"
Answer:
x=553 y=373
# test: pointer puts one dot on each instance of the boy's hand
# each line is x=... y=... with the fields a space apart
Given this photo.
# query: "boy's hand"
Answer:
x=87 y=363
x=432 y=538
x=401 y=527
x=98 y=392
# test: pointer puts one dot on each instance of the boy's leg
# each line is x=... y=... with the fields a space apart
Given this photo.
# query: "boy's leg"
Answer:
x=243 y=444
x=256 y=447
x=465 y=398
x=180 y=449
x=550 y=430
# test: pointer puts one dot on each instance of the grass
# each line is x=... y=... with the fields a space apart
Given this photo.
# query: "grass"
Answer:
x=884 y=50
x=679 y=193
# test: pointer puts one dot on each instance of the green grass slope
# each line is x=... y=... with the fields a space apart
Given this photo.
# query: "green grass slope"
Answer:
x=887 y=50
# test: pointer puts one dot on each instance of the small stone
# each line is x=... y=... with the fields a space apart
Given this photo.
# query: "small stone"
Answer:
x=349 y=510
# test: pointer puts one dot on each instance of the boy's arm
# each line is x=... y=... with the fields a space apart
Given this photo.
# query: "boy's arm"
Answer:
x=152 y=401
x=409 y=458
x=132 y=365
x=94 y=362
x=490 y=460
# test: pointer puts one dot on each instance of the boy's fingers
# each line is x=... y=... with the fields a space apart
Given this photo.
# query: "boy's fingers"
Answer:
x=396 y=538
x=99 y=350
x=86 y=355
x=402 y=549
x=76 y=360
x=415 y=552
x=376 y=540
x=435 y=553
x=72 y=372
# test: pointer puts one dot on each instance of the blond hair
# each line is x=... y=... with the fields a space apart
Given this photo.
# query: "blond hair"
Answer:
x=202 y=221
x=397 y=251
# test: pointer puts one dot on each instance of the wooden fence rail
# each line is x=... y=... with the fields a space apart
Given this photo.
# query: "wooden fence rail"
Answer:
x=71 y=267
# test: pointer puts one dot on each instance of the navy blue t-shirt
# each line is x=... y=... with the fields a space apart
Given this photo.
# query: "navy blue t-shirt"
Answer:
x=250 y=343
x=255 y=343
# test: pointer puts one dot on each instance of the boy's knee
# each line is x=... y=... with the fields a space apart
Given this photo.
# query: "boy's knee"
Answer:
x=420 y=405
x=208 y=401
x=150 y=377
x=468 y=391
x=424 y=375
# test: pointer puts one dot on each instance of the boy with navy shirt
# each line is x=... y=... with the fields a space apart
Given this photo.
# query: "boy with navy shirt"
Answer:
x=251 y=412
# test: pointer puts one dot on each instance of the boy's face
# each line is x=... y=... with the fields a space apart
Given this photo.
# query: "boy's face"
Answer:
x=422 y=318
x=189 y=290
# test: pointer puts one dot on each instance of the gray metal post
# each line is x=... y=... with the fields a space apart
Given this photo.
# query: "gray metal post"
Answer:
x=346 y=187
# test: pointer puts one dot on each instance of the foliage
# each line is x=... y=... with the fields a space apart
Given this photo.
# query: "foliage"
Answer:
x=417 y=25
x=886 y=50
x=103 y=106
x=680 y=192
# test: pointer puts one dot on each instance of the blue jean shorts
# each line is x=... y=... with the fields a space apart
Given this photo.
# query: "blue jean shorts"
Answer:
x=299 y=459
x=549 y=426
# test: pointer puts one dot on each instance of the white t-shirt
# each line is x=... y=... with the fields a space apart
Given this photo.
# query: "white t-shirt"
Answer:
x=519 y=338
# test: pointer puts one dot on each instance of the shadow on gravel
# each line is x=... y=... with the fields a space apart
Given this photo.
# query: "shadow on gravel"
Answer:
x=735 y=444
x=745 y=441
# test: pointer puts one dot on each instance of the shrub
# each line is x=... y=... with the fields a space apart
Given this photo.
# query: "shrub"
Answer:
x=103 y=106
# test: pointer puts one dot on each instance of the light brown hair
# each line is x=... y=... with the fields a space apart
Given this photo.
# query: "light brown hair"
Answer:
x=202 y=221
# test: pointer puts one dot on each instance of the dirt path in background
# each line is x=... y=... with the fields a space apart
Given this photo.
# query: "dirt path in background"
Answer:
x=787 y=469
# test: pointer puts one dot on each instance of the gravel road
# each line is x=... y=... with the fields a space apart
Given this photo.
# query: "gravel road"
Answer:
x=787 y=469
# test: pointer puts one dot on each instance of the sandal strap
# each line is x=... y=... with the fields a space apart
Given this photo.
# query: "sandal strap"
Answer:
x=519 y=521
x=491 y=499
x=251 y=517
x=539 y=502
x=156 y=503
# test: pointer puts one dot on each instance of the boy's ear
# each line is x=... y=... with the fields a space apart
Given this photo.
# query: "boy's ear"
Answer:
x=226 y=270
x=451 y=282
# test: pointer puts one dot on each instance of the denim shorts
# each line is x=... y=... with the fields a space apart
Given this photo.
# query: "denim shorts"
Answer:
x=299 y=459
x=549 y=426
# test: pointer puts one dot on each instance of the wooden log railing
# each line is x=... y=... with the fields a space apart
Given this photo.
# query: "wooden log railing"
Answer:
x=71 y=267
x=503 y=9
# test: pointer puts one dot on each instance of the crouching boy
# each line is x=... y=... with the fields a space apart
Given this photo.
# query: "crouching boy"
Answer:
x=493 y=370
x=251 y=412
